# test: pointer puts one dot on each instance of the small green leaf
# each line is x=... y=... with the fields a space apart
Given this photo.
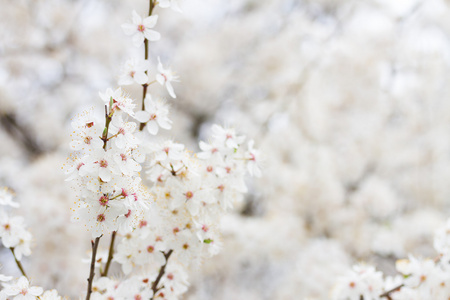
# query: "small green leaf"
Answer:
x=208 y=241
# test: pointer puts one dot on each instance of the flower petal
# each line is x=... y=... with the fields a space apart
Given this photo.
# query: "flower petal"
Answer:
x=152 y=35
x=150 y=22
x=142 y=116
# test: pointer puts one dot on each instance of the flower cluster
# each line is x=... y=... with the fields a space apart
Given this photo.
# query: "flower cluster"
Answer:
x=418 y=279
x=12 y=228
x=163 y=200
x=20 y=289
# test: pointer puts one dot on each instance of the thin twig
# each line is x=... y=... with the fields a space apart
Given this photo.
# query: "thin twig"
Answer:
x=92 y=274
x=145 y=85
x=110 y=254
x=18 y=263
x=387 y=294
x=161 y=273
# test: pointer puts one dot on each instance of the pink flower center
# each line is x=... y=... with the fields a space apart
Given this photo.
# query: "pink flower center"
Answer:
x=124 y=192
x=189 y=195
x=150 y=249
x=132 y=73
x=164 y=75
x=153 y=117
x=90 y=124
x=24 y=292
x=122 y=131
x=141 y=28
x=205 y=228
x=87 y=140
x=103 y=163
x=221 y=187
x=128 y=213
x=142 y=223
x=124 y=157
x=103 y=200
x=170 y=276
x=137 y=297
x=166 y=150
x=252 y=157
x=209 y=168
x=101 y=218
x=80 y=165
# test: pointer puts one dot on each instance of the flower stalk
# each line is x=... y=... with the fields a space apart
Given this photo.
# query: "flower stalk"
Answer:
x=18 y=263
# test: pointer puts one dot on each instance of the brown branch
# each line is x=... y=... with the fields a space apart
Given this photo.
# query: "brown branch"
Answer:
x=110 y=254
x=92 y=274
x=161 y=273
x=18 y=263
x=388 y=293
x=20 y=133
x=145 y=86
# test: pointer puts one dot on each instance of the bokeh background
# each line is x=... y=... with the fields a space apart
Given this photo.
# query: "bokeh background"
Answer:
x=349 y=100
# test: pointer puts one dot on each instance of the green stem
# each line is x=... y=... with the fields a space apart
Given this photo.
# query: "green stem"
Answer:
x=110 y=254
x=18 y=263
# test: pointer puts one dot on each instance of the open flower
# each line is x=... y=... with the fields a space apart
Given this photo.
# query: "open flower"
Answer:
x=134 y=71
x=120 y=100
x=21 y=290
x=165 y=77
x=155 y=115
x=141 y=29
x=170 y=3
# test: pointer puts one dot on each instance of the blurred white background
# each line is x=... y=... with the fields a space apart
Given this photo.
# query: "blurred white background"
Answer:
x=349 y=101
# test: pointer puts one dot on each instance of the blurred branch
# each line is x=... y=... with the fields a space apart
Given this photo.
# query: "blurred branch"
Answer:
x=110 y=254
x=19 y=133
x=388 y=293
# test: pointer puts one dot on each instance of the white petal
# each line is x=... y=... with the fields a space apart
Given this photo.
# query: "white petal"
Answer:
x=164 y=123
x=170 y=89
x=152 y=127
x=136 y=18
x=105 y=174
x=35 y=290
x=152 y=35
x=138 y=39
x=140 y=77
x=193 y=207
x=22 y=282
x=150 y=22
x=5 y=278
x=160 y=79
x=148 y=102
x=125 y=80
x=142 y=116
